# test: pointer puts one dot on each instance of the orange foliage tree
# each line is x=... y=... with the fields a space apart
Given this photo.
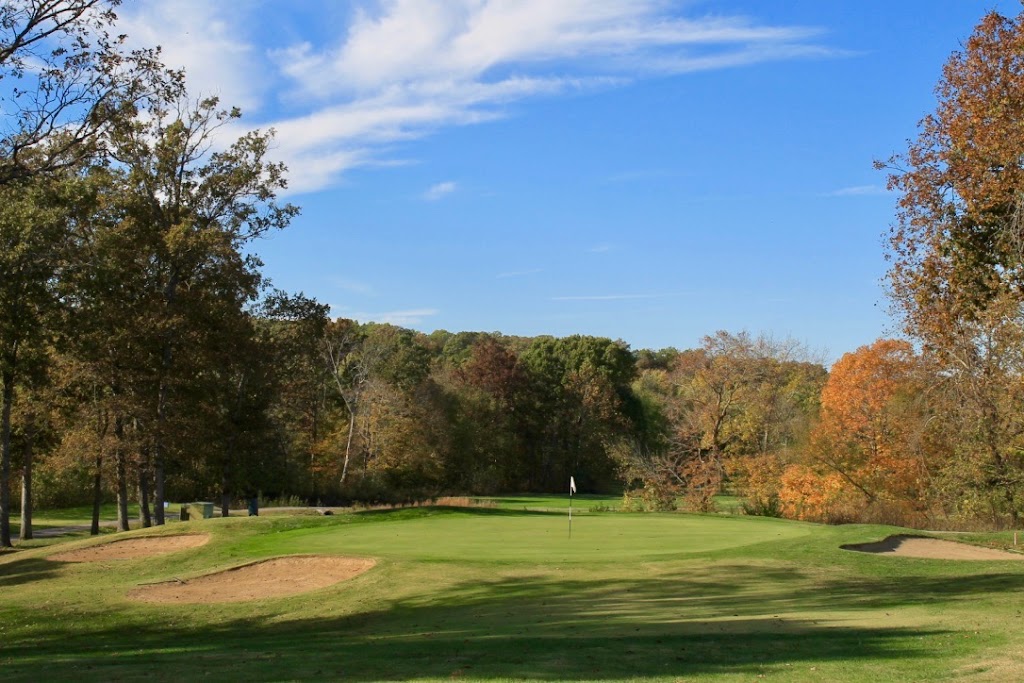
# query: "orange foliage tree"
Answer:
x=957 y=259
x=867 y=441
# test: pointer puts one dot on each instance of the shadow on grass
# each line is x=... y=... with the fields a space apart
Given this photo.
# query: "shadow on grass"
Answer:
x=738 y=621
x=28 y=570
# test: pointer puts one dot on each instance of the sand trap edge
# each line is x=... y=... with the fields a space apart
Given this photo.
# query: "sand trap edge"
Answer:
x=931 y=548
x=285 y=575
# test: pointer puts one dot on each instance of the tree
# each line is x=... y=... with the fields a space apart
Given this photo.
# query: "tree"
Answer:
x=957 y=248
x=199 y=208
x=873 y=410
x=35 y=230
x=64 y=76
x=293 y=328
x=714 y=408
x=349 y=372
x=575 y=407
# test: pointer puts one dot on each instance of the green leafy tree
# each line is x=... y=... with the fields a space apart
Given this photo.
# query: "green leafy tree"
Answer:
x=197 y=207
x=35 y=245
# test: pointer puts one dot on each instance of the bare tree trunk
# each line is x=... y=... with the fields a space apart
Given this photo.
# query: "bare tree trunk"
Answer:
x=348 y=446
x=5 y=459
x=26 y=484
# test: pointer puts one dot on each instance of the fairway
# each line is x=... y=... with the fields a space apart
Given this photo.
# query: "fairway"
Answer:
x=496 y=595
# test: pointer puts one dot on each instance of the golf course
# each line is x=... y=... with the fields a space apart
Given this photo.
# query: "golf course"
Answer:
x=498 y=593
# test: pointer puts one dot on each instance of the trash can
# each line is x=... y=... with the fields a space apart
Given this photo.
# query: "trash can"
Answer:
x=206 y=508
x=254 y=507
x=183 y=514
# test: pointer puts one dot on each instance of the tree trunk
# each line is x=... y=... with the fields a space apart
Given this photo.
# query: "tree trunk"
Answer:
x=26 y=486
x=5 y=459
x=225 y=490
x=97 y=493
x=121 y=464
x=348 y=446
x=158 y=443
x=144 y=515
x=144 y=489
x=158 y=492
x=102 y=423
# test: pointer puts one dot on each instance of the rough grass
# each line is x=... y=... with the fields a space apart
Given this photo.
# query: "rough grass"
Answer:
x=529 y=502
x=491 y=594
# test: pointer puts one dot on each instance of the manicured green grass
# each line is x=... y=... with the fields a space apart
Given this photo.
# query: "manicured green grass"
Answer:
x=494 y=595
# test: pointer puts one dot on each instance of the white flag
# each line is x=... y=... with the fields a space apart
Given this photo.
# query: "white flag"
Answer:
x=572 y=486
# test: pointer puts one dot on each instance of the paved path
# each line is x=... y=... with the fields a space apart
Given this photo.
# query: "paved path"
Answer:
x=55 y=531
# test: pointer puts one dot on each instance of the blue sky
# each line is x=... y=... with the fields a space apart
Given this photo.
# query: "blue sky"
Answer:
x=640 y=169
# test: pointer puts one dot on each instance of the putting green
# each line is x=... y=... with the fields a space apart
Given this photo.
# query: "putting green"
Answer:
x=455 y=536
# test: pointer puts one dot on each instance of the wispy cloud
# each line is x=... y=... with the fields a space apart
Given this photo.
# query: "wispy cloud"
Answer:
x=403 y=318
x=637 y=176
x=858 y=191
x=206 y=41
x=402 y=69
x=439 y=190
x=600 y=248
x=518 y=273
x=614 y=297
x=352 y=286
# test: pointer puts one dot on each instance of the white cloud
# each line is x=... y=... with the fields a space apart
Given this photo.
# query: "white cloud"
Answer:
x=612 y=297
x=402 y=69
x=404 y=318
x=204 y=40
x=439 y=190
x=600 y=248
x=352 y=286
x=858 y=191
x=518 y=273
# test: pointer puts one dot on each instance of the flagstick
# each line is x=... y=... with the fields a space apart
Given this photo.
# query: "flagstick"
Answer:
x=570 y=513
x=572 y=490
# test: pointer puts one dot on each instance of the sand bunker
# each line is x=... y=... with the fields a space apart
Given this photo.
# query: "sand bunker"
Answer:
x=133 y=548
x=931 y=548
x=274 y=578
